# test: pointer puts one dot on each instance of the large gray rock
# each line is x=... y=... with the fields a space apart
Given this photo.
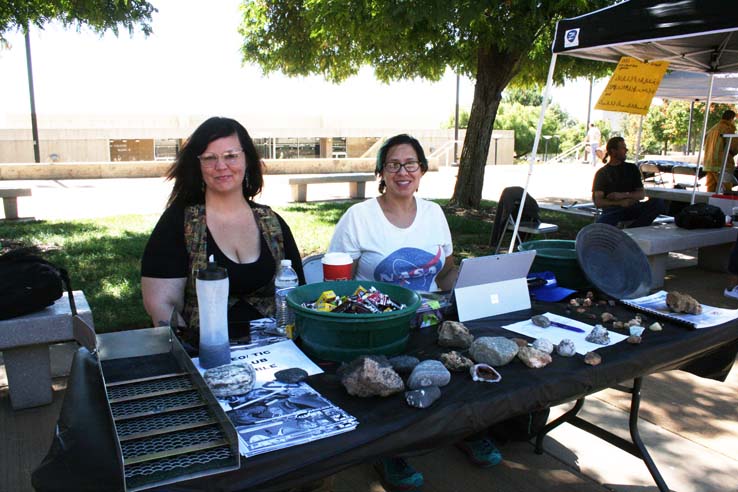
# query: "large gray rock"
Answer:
x=495 y=351
x=429 y=373
x=454 y=334
x=423 y=397
x=371 y=375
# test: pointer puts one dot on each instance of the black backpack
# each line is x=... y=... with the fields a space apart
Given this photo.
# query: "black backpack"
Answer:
x=700 y=216
x=28 y=283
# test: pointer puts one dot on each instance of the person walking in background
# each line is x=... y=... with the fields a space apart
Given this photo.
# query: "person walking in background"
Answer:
x=618 y=190
x=593 y=140
x=715 y=153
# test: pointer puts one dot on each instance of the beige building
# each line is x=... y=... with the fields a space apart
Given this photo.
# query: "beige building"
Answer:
x=101 y=139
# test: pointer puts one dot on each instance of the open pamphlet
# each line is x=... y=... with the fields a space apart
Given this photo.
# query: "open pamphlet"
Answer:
x=275 y=415
x=655 y=304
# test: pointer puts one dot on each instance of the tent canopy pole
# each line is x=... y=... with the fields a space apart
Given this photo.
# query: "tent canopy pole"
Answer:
x=704 y=135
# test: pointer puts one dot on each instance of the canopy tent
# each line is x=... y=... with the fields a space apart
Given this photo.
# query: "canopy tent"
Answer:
x=690 y=86
x=693 y=35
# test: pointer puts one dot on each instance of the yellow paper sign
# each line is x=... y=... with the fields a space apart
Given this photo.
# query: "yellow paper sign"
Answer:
x=632 y=86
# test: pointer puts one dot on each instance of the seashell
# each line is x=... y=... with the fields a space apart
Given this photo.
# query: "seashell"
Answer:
x=541 y=320
x=636 y=330
x=599 y=335
x=484 y=373
x=592 y=358
x=605 y=317
x=566 y=348
x=655 y=327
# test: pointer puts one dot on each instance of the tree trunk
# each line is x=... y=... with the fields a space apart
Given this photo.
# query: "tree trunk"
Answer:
x=495 y=69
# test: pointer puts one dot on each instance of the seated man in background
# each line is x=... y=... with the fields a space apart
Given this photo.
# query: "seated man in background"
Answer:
x=618 y=190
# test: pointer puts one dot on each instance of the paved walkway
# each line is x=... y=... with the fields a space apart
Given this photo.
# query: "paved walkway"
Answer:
x=689 y=424
x=82 y=198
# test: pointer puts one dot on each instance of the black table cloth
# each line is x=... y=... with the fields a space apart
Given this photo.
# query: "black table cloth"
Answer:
x=389 y=427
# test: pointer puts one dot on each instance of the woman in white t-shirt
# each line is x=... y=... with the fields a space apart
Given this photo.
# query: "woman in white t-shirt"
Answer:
x=398 y=237
x=405 y=240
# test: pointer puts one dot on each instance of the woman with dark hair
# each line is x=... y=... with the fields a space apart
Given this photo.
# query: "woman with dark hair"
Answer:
x=211 y=212
x=398 y=237
x=402 y=239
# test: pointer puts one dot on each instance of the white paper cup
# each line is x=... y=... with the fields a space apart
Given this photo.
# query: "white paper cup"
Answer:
x=337 y=266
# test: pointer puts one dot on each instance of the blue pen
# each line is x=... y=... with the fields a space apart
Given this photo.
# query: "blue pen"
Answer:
x=567 y=327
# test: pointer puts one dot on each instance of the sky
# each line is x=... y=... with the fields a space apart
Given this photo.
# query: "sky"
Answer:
x=191 y=65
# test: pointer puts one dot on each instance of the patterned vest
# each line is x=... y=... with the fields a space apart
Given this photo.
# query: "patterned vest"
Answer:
x=195 y=230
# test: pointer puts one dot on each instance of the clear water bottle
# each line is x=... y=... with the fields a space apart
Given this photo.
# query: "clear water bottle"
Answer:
x=285 y=281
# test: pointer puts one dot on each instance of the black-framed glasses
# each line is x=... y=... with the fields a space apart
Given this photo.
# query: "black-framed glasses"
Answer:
x=230 y=158
x=394 y=166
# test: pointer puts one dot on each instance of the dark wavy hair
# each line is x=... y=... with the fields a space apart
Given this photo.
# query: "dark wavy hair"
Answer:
x=400 y=139
x=188 y=186
x=612 y=146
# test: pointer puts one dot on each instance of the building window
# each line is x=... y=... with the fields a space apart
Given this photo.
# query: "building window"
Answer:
x=297 y=148
x=339 y=147
x=166 y=149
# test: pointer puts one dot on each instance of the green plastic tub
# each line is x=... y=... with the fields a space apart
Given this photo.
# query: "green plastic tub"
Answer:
x=560 y=257
x=342 y=337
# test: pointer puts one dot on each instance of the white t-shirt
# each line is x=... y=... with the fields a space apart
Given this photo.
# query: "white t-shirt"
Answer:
x=594 y=136
x=411 y=257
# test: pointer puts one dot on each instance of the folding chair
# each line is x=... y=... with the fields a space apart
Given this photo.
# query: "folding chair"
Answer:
x=528 y=228
x=507 y=210
x=313 y=268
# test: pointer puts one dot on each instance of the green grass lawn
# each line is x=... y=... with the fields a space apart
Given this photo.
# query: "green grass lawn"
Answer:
x=103 y=255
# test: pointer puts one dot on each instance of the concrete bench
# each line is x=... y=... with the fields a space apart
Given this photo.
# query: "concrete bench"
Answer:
x=24 y=342
x=656 y=241
x=356 y=181
x=10 y=200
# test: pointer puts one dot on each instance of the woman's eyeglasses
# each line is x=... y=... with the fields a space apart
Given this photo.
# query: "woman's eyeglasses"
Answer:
x=230 y=158
x=394 y=166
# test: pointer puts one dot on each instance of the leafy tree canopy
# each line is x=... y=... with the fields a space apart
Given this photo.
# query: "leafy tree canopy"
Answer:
x=100 y=15
x=493 y=42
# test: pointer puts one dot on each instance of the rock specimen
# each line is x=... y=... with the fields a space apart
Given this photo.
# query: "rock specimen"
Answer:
x=423 y=397
x=404 y=364
x=592 y=358
x=230 y=379
x=522 y=342
x=291 y=376
x=534 y=358
x=605 y=317
x=633 y=339
x=454 y=361
x=636 y=330
x=683 y=303
x=618 y=325
x=454 y=334
x=541 y=320
x=484 y=373
x=598 y=335
x=566 y=348
x=544 y=345
x=428 y=373
x=495 y=351
x=656 y=326
x=371 y=375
